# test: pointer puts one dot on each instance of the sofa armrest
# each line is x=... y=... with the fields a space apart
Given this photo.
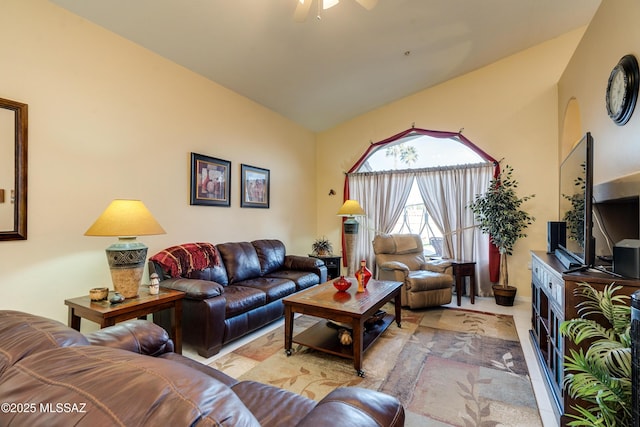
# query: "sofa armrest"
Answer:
x=195 y=289
x=438 y=266
x=394 y=265
x=306 y=263
x=138 y=336
x=357 y=407
x=393 y=270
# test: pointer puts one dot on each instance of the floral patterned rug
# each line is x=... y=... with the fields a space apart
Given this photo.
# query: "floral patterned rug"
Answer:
x=448 y=367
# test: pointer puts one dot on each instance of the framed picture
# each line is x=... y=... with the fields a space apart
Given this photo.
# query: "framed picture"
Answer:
x=254 y=183
x=210 y=181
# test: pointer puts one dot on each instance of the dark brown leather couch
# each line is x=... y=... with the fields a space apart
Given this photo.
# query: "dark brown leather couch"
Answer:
x=237 y=295
x=51 y=375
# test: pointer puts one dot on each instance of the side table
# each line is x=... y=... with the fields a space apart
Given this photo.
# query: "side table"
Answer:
x=461 y=270
x=106 y=314
x=333 y=265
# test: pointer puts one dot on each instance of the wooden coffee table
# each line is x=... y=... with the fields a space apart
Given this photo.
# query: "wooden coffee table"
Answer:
x=348 y=307
x=106 y=314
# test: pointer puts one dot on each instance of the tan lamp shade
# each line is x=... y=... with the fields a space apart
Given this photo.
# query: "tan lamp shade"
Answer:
x=351 y=208
x=126 y=219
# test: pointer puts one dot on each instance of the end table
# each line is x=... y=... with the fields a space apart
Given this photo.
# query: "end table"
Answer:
x=332 y=263
x=106 y=314
x=461 y=270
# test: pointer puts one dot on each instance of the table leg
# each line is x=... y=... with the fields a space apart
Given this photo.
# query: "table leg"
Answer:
x=176 y=325
x=398 y=307
x=358 y=331
x=107 y=322
x=472 y=287
x=459 y=287
x=288 y=329
x=74 y=321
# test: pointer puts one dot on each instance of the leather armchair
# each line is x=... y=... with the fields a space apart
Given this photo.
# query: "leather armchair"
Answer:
x=400 y=257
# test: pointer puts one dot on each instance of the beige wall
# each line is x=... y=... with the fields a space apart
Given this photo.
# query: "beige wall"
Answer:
x=613 y=33
x=108 y=119
x=509 y=109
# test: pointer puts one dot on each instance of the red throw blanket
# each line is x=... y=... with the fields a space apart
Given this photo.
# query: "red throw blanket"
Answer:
x=183 y=259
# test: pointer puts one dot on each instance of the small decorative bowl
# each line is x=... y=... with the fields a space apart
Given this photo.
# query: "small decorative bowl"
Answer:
x=342 y=284
x=98 y=294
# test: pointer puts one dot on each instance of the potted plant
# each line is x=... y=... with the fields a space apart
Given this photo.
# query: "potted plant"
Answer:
x=322 y=247
x=600 y=378
x=498 y=214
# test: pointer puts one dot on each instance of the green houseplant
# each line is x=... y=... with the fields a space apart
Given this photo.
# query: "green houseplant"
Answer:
x=322 y=247
x=498 y=213
x=601 y=376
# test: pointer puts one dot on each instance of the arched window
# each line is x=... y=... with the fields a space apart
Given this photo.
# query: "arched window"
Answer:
x=421 y=182
x=416 y=152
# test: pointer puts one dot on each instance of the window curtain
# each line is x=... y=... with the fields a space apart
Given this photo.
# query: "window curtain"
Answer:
x=446 y=193
x=382 y=197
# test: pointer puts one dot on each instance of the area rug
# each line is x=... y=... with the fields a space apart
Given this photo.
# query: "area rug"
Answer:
x=448 y=367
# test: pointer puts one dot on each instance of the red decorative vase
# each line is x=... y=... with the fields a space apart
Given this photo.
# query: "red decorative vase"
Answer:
x=363 y=276
x=341 y=284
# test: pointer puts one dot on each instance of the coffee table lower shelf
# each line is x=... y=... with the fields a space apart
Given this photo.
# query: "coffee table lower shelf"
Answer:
x=325 y=338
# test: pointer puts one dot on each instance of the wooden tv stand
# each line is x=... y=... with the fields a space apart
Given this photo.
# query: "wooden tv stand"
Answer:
x=552 y=302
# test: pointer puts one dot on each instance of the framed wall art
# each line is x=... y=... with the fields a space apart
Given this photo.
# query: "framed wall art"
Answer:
x=210 y=181
x=254 y=183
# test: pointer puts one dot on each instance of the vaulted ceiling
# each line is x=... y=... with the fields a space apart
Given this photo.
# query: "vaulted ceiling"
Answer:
x=321 y=72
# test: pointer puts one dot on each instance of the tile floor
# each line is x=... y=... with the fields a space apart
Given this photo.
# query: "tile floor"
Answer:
x=521 y=312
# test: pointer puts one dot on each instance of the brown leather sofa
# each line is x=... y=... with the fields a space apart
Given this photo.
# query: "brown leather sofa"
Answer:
x=236 y=287
x=51 y=375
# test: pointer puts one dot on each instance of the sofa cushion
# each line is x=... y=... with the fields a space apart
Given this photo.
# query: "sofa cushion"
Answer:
x=270 y=254
x=302 y=279
x=240 y=299
x=274 y=288
x=23 y=334
x=240 y=260
x=116 y=387
x=216 y=274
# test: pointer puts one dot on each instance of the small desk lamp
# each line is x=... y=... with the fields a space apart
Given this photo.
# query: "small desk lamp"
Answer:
x=126 y=219
x=350 y=209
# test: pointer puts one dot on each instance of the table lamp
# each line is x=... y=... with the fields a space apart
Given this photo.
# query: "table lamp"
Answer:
x=126 y=219
x=350 y=209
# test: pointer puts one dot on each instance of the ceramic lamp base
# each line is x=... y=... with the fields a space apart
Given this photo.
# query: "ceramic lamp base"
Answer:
x=126 y=261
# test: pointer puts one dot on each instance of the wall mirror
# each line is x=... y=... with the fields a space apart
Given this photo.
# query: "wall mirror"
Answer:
x=13 y=170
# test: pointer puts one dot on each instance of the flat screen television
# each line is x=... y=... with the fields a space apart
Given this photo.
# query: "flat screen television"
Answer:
x=576 y=199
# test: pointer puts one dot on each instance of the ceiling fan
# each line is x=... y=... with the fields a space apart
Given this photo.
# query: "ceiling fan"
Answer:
x=303 y=7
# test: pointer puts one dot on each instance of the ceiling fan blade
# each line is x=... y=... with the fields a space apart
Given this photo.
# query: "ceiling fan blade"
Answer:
x=302 y=10
x=368 y=4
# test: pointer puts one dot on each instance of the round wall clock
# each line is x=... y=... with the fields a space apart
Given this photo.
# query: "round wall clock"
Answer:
x=622 y=90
